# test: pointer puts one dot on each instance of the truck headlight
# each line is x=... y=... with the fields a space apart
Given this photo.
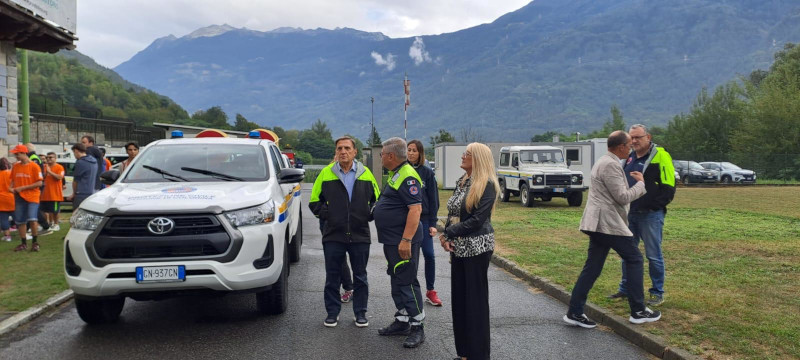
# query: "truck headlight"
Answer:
x=85 y=220
x=539 y=179
x=264 y=213
x=577 y=179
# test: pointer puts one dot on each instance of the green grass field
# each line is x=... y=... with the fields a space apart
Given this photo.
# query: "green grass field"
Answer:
x=732 y=257
x=28 y=278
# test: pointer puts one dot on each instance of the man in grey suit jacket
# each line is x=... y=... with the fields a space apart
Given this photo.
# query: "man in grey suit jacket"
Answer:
x=605 y=220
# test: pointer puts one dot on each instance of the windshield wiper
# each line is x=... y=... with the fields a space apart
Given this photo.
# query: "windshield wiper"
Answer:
x=164 y=173
x=213 y=174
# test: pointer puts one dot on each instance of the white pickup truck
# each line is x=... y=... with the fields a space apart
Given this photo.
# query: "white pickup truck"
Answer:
x=189 y=216
x=538 y=172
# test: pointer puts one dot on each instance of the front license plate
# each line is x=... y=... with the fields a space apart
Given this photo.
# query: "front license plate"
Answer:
x=145 y=274
x=560 y=190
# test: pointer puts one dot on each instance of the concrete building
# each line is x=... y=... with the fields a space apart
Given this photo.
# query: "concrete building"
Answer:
x=38 y=25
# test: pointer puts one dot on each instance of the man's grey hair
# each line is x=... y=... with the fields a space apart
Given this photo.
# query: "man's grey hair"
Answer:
x=396 y=146
x=639 y=126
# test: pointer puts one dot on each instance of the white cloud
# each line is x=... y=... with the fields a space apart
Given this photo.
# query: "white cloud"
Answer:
x=418 y=53
x=389 y=61
x=114 y=31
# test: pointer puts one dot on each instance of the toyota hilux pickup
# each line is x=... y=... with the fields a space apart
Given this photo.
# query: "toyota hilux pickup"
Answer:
x=187 y=217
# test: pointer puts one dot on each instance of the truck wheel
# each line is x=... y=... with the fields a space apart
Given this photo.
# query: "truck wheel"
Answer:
x=297 y=241
x=504 y=193
x=726 y=179
x=525 y=196
x=575 y=199
x=99 y=311
x=275 y=300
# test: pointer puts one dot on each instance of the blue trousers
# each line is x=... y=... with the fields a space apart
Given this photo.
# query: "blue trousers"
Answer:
x=599 y=244
x=430 y=257
x=648 y=227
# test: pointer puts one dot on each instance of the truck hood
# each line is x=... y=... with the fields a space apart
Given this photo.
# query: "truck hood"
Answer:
x=547 y=170
x=206 y=197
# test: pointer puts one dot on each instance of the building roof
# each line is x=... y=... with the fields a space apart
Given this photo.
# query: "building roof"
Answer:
x=27 y=31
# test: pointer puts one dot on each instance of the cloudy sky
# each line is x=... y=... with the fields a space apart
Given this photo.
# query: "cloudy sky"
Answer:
x=113 y=31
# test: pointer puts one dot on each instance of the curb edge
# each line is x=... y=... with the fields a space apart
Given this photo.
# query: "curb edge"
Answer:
x=26 y=316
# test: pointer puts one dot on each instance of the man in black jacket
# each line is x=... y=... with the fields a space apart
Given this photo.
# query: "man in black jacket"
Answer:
x=343 y=196
x=646 y=216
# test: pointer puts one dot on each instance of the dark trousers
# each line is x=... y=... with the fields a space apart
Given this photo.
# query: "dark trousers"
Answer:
x=405 y=286
x=347 y=280
x=599 y=244
x=335 y=254
x=430 y=257
x=470 y=299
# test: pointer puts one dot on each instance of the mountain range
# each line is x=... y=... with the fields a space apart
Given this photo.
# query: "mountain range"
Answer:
x=551 y=65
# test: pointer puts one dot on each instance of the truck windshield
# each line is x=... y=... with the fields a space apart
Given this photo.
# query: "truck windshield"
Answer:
x=541 y=156
x=237 y=162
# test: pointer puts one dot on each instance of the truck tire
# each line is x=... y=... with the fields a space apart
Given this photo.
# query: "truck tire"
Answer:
x=99 y=311
x=505 y=194
x=726 y=179
x=525 y=196
x=275 y=300
x=575 y=198
x=297 y=241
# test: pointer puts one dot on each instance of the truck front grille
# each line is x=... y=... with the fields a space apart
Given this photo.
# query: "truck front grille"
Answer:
x=557 y=180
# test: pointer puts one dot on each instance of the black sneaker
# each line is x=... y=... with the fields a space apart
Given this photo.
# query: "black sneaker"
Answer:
x=618 y=295
x=332 y=321
x=396 y=328
x=579 y=320
x=415 y=338
x=361 y=320
x=645 y=316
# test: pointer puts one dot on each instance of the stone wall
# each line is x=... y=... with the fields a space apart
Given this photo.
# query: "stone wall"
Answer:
x=9 y=118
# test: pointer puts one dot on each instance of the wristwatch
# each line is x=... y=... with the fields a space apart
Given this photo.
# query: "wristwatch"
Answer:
x=406 y=239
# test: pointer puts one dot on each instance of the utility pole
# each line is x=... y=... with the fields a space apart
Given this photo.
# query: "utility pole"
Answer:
x=24 y=100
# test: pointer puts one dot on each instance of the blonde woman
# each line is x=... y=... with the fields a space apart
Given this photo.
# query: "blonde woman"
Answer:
x=469 y=236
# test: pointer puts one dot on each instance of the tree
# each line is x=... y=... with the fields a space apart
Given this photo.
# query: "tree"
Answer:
x=375 y=138
x=615 y=123
x=317 y=141
x=442 y=137
x=213 y=117
x=548 y=137
x=242 y=124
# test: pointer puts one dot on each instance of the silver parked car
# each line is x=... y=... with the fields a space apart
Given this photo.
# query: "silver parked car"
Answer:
x=729 y=172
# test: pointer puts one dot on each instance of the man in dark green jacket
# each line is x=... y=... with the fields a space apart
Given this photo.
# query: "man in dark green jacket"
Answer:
x=343 y=196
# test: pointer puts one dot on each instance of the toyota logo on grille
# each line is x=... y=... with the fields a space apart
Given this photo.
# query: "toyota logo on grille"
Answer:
x=160 y=226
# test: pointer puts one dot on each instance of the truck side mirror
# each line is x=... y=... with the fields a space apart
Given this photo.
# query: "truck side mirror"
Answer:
x=109 y=177
x=569 y=162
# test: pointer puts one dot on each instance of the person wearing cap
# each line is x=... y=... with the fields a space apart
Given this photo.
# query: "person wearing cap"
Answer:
x=397 y=219
x=44 y=224
x=26 y=179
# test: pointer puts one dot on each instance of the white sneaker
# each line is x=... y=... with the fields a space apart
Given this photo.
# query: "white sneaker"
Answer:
x=28 y=236
x=55 y=227
x=7 y=238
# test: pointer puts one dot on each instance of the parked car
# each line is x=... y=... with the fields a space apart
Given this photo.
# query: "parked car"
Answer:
x=729 y=172
x=189 y=216
x=692 y=172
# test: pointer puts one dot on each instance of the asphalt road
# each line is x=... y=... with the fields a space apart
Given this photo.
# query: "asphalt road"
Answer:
x=526 y=324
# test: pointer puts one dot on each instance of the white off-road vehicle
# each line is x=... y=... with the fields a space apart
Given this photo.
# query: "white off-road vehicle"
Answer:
x=538 y=172
x=189 y=216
